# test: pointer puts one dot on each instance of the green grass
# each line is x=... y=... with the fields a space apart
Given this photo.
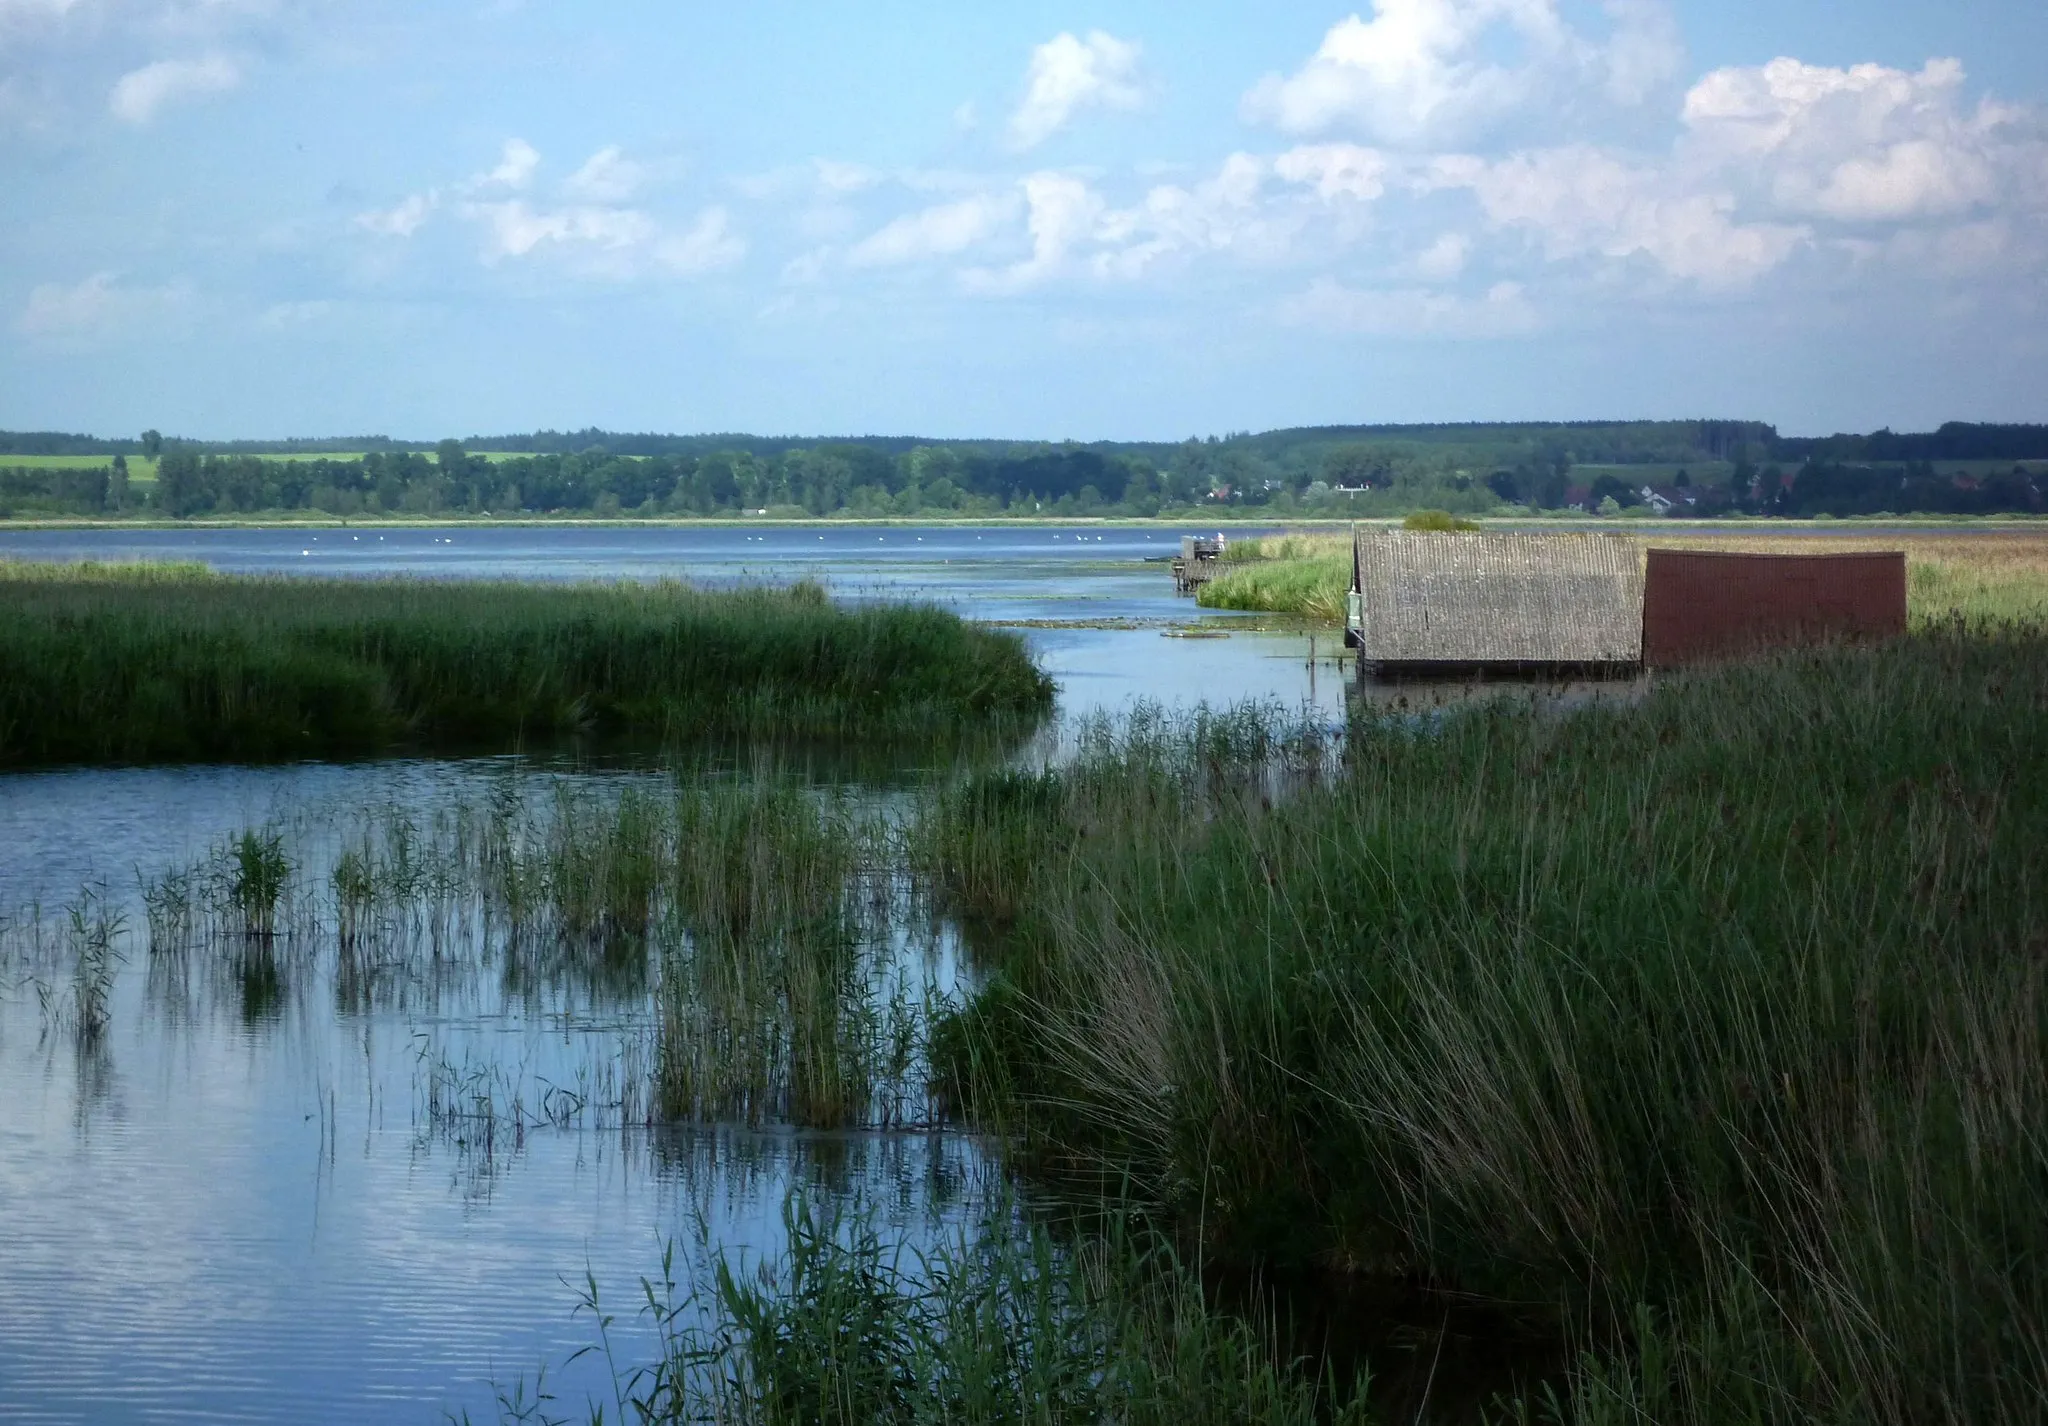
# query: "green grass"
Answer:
x=1990 y=576
x=1709 y=1033
x=109 y=664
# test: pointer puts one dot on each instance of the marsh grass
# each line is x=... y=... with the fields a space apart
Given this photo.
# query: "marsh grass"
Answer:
x=125 y=664
x=94 y=928
x=999 y=1320
x=750 y=936
x=1709 y=1033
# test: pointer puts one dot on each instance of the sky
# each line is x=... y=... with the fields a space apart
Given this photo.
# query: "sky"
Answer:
x=1115 y=220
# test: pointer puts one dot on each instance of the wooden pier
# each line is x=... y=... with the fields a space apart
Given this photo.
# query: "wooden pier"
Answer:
x=1199 y=561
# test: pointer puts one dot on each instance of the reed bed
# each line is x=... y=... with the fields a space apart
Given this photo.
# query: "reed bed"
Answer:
x=129 y=664
x=999 y=1320
x=1708 y=1033
x=748 y=936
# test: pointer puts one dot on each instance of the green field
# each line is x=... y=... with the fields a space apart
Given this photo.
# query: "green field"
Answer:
x=493 y=456
x=141 y=469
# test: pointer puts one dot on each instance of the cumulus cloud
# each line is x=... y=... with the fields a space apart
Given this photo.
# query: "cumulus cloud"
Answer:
x=517 y=163
x=607 y=176
x=1228 y=212
x=139 y=94
x=1335 y=171
x=1423 y=73
x=1503 y=310
x=1068 y=74
x=1578 y=201
x=515 y=227
x=1868 y=144
x=1061 y=212
x=95 y=305
x=607 y=241
x=937 y=231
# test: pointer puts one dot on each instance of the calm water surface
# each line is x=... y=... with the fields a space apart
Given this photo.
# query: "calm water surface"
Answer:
x=237 y=1208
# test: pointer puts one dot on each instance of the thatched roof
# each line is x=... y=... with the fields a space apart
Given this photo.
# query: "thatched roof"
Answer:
x=1431 y=598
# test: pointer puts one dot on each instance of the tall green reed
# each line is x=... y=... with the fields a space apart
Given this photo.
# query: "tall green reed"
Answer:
x=1000 y=1320
x=1710 y=1030
x=99 y=664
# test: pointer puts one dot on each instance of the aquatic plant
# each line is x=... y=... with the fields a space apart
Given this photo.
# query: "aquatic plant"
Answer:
x=999 y=1321
x=257 y=872
x=93 y=926
x=1709 y=1031
x=100 y=664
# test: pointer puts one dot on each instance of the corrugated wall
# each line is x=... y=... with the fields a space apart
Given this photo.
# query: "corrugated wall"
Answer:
x=1703 y=605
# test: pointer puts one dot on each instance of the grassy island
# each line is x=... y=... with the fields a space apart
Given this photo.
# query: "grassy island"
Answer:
x=168 y=663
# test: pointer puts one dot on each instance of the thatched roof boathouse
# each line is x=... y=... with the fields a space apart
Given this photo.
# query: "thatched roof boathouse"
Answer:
x=1426 y=603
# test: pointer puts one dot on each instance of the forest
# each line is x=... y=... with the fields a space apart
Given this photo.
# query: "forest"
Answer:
x=1684 y=468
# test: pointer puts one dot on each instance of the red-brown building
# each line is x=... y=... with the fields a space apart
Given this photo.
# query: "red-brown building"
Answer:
x=1706 y=605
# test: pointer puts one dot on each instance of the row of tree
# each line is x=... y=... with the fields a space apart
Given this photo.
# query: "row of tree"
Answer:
x=1530 y=467
x=1298 y=450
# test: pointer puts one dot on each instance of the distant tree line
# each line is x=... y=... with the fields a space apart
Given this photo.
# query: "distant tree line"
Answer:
x=1361 y=471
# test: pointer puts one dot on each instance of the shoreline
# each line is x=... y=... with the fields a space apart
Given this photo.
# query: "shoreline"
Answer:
x=2017 y=523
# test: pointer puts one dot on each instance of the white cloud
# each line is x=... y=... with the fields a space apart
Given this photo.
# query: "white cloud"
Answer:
x=838 y=177
x=1443 y=259
x=516 y=166
x=1227 y=213
x=1061 y=214
x=1421 y=73
x=516 y=227
x=1580 y=201
x=139 y=94
x=1335 y=170
x=708 y=244
x=607 y=242
x=933 y=232
x=1867 y=144
x=607 y=176
x=1503 y=310
x=403 y=220
x=96 y=305
x=1068 y=74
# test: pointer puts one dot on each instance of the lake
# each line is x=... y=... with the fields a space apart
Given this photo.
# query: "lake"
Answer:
x=318 y=1190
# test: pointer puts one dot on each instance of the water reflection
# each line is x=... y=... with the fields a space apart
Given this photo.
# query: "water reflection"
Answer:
x=336 y=1147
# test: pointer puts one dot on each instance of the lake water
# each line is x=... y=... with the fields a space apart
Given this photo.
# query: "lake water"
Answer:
x=239 y=1203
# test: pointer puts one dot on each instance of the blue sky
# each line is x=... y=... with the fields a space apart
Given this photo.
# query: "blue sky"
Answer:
x=1126 y=220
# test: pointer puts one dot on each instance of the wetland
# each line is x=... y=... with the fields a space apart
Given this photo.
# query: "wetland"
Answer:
x=1213 y=1045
